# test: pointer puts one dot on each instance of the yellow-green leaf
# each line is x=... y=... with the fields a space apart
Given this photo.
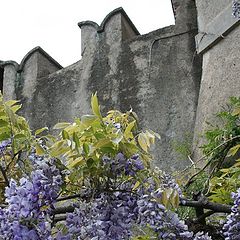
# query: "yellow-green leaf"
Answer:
x=39 y=149
x=38 y=131
x=151 y=137
x=11 y=102
x=136 y=185
x=3 y=123
x=19 y=136
x=143 y=142
x=95 y=105
x=86 y=148
x=61 y=125
x=11 y=115
x=59 y=148
x=76 y=162
x=175 y=199
x=164 y=198
x=236 y=112
x=103 y=143
x=128 y=131
x=233 y=150
x=65 y=134
x=15 y=108
x=88 y=119
x=76 y=139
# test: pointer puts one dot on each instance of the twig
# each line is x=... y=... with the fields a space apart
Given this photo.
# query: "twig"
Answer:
x=66 y=209
x=69 y=197
x=4 y=175
x=13 y=158
x=216 y=207
x=59 y=218
x=203 y=216
x=206 y=155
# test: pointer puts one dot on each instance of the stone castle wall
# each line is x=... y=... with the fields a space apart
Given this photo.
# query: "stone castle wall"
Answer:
x=218 y=42
x=157 y=74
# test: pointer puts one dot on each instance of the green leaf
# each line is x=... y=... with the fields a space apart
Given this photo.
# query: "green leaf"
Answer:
x=95 y=106
x=61 y=125
x=136 y=185
x=39 y=150
x=164 y=198
x=106 y=142
x=20 y=136
x=38 y=131
x=4 y=135
x=236 y=112
x=76 y=162
x=128 y=131
x=90 y=163
x=11 y=102
x=3 y=123
x=117 y=139
x=175 y=199
x=15 y=108
x=65 y=134
x=143 y=142
x=150 y=137
x=88 y=119
x=76 y=140
x=99 y=135
x=233 y=150
x=86 y=148
x=59 y=148
x=11 y=115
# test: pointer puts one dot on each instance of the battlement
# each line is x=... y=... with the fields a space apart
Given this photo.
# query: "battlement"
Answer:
x=115 y=27
x=155 y=74
x=35 y=64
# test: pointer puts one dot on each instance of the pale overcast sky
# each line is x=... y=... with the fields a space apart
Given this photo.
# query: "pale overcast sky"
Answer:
x=52 y=24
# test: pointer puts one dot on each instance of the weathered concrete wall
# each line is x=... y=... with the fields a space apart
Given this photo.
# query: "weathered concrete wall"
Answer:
x=37 y=63
x=157 y=74
x=9 y=79
x=208 y=10
x=221 y=69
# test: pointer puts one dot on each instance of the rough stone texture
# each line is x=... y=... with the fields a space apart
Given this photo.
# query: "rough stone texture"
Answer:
x=208 y=10
x=9 y=76
x=220 y=76
x=36 y=64
x=157 y=74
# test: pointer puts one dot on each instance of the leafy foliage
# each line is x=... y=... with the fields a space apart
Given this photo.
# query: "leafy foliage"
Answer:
x=85 y=143
x=15 y=138
x=103 y=164
x=222 y=149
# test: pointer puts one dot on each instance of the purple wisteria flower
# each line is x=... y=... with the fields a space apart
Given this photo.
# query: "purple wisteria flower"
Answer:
x=114 y=214
x=236 y=8
x=121 y=165
x=231 y=228
x=4 y=144
x=30 y=203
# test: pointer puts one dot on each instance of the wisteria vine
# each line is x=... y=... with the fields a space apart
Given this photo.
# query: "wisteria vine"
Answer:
x=30 y=202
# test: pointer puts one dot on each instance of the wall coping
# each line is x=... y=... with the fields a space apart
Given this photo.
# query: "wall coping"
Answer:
x=40 y=50
x=4 y=63
x=100 y=28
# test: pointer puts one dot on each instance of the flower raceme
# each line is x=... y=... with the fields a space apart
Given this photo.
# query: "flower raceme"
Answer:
x=231 y=228
x=30 y=203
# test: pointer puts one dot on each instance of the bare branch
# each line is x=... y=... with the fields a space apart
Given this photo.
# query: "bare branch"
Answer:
x=216 y=207
x=66 y=209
